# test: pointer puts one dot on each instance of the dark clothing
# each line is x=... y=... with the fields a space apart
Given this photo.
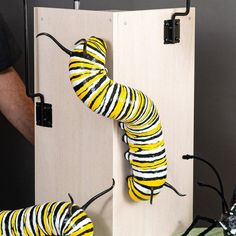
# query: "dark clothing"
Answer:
x=9 y=49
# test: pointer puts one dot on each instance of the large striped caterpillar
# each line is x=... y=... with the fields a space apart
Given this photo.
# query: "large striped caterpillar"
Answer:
x=136 y=113
x=53 y=218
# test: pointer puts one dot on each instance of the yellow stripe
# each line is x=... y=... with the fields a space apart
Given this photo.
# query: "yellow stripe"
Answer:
x=138 y=193
x=83 y=229
x=120 y=104
x=86 y=87
x=132 y=102
x=84 y=65
x=131 y=194
x=97 y=92
x=2 y=214
x=99 y=42
x=13 y=222
x=149 y=165
x=133 y=134
x=72 y=222
x=151 y=183
x=99 y=100
x=45 y=218
x=139 y=107
x=145 y=115
x=91 y=54
x=50 y=219
x=145 y=147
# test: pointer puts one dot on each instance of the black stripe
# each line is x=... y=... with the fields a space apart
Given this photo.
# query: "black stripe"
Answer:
x=19 y=221
x=92 y=90
x=108 y=85
x=147 y=127
x=132 y=189
x=80 y=85
x=151 y=179
x=31 y=213
x=123 y=105
x=70 y=226
x=86 y=56
x=110 y=100
x=149 y=155
x=152 y=112
x=146 y=138
x=55 y=214
x=150 y=172
x=117 y=100
x=95 y=48
x=129 y=105
x=163 y=160
x=85 y=232
x=148 y=187
x=42 y=215
x=6 y=222
x=143 y=193
x=79 y=61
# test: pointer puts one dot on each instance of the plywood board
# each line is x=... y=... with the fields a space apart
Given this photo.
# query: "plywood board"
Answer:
x=83 y=151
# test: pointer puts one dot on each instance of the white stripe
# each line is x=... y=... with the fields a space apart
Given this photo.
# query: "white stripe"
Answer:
x=127 y=102
x=149 y=175
x=92 y=87
x=146 y=190
x=149 y=152
x=134 y=108
x=68 y=222
x=148 y=159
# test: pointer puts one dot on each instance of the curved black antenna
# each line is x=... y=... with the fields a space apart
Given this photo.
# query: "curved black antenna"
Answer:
x=70 y=53
x=84 y=207
x=71 y=204
x=174 y=189
x=187 y=157
x=188 y=3
x=27 y=59
x=85 y=45
x=219 y=193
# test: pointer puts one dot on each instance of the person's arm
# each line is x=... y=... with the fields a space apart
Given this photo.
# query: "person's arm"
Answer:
x=15 y=105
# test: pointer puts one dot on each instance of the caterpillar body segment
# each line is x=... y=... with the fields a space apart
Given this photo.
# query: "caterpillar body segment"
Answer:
x=136 y=113
x=49 y=219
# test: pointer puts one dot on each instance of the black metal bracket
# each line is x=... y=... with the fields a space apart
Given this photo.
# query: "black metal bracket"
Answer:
x=44 y=114
x=43 y=110
x=172 y=26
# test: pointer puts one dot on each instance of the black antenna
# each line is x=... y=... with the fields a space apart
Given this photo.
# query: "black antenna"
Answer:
x=43 y=110
x=84 y=207
x=56 y=41
x=174 y=189
x=219 y=193
x=187 y=157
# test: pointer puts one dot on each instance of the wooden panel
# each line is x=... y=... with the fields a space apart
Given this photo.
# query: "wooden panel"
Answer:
x=166 y=74
x=75 y=156
x=82 y=151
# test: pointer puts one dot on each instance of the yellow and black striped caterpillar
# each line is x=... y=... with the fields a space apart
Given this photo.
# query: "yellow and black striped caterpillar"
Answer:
x=136 y=113
x=53 y=218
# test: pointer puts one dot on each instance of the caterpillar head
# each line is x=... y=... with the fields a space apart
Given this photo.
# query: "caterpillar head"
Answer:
x=76 y=221
x=94 y=49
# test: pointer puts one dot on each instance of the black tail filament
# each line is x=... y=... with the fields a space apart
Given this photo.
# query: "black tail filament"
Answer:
x=225 y=207
x=84 y=207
